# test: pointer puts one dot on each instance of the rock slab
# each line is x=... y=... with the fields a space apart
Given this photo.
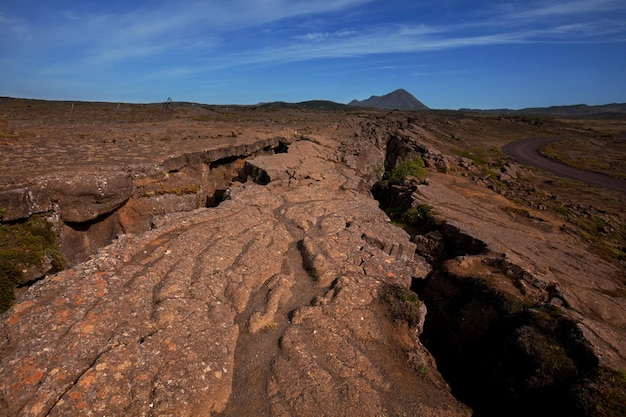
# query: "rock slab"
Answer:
x=268 y=303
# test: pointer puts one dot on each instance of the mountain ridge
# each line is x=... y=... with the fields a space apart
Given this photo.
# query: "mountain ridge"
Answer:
x=399 y=99
x=571 y=110
x=564 y=110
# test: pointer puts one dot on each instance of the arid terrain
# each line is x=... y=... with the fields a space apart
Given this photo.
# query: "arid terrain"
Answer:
x=190 y=260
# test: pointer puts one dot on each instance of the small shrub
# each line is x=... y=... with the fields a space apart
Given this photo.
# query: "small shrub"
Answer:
x=403 y=303
x=494 y=177
x=415 y=360
x=562 y=210
x=412 y=167
x=422 y=215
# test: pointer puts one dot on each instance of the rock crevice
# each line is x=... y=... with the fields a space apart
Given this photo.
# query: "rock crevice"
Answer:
x=506 y=324
x=283 y=299
x=277 y=274
x=91 y=208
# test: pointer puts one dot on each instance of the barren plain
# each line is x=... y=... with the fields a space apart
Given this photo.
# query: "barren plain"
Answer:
x=233 y=261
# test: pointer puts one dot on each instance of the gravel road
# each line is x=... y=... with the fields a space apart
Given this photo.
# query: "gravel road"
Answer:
x=527 y=152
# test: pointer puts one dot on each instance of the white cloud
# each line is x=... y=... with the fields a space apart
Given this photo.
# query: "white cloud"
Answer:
x=320 y=36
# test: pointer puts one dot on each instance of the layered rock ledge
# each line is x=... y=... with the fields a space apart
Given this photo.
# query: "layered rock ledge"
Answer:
x=91 y=206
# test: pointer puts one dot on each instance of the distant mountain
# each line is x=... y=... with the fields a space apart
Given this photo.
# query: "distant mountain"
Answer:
x=398 y=100
x=573 y=110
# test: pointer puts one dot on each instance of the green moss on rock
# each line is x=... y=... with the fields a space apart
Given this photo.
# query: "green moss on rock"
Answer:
x=25 y=245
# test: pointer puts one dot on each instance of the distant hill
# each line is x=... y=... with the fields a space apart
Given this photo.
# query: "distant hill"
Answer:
x=398 y=100
x=573 y=110
x=310 y=105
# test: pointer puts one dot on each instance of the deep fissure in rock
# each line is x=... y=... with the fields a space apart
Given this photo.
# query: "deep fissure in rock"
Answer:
x=500 y=354
x=186 y=187
x=215 y=199
x=188 y=182
x=501 y=357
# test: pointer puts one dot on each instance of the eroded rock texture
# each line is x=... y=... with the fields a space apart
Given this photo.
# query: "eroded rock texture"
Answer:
x=276 y=300
x=268 y=304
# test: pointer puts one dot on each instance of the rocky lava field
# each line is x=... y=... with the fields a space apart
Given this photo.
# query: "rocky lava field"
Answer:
x=197 y=260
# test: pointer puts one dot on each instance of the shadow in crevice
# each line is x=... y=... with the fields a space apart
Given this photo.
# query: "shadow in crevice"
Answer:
x=501 y=354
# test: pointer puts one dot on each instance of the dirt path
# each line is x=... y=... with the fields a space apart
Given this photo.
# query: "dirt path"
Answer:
x=527 y=151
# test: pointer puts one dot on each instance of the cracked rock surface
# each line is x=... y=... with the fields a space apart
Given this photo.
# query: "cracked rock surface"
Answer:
x=268 y=304
x=274 y=299
x=539 y=262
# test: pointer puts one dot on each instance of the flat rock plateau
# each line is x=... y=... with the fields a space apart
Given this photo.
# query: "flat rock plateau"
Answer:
x=239 y=261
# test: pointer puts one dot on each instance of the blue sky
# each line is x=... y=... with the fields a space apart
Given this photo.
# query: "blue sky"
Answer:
x=448 y=53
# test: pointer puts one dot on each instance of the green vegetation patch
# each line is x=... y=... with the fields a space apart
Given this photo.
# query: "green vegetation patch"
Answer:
x=25 y=245
x=412 y=167
x=604 y=155
x=403 y=304
x=182 y=190
x=419 y=216
x=604 y=395
x=479 y=157
x=482 y=157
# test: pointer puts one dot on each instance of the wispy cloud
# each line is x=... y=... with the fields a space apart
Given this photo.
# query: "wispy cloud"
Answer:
x=579 y=22
x=14 y=26
x=187 y=37
x=98 y=36
x=320 y=36
x=411 y=39
x=201 y=17
x=567 y=8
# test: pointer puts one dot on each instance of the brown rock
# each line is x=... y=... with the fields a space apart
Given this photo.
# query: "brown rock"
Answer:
x=15 y=204
x=21 y=203
x=267 y=304
x=85 y=196
x=534 y=256
x=271 y=303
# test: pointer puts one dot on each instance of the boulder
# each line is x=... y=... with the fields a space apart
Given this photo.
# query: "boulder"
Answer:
x=511 y=172
x=85 y=196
